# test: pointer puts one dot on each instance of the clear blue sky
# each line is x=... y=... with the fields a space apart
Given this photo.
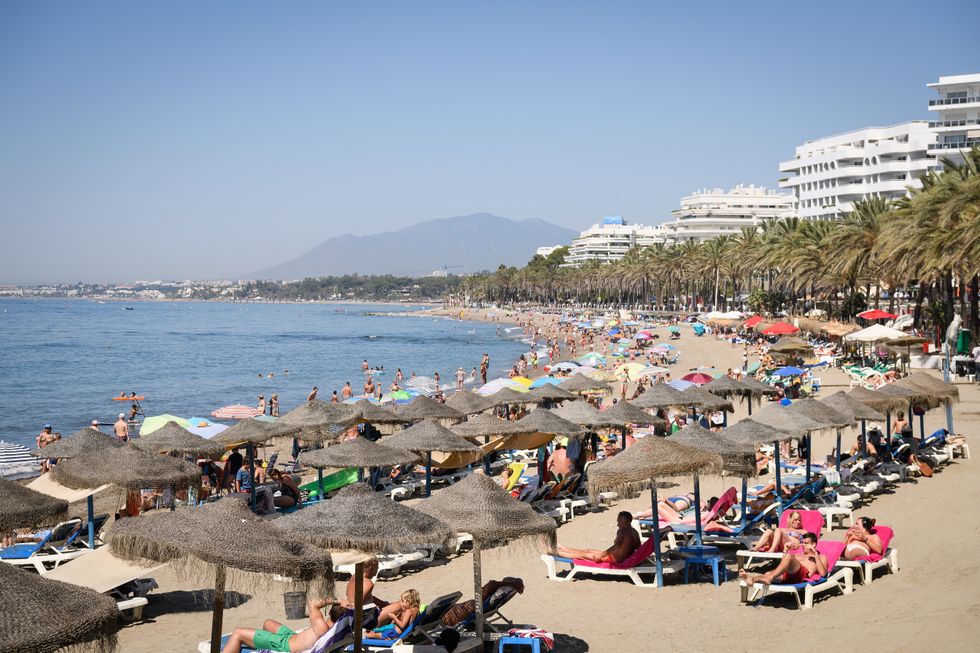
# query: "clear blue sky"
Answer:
x=208 y=139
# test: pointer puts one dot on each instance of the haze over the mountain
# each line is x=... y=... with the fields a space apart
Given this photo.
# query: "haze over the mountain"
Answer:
x=468 y=243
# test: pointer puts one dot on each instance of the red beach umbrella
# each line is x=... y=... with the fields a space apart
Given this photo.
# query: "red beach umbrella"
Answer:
x=780 y=329
x=698 y=378
x=751 y=322
x=875 y=314
x=238 y=411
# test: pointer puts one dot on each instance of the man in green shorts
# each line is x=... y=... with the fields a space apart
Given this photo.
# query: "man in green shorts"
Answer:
x=274 y=636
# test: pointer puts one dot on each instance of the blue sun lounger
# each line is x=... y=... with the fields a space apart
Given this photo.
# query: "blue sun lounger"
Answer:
x=54 y=548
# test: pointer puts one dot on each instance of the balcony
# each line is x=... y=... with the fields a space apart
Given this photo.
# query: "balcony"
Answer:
x=969 y=122
x=946 y=102
x=956 y=145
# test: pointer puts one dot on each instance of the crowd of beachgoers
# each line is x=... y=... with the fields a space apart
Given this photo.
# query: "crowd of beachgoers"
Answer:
x=779 y=444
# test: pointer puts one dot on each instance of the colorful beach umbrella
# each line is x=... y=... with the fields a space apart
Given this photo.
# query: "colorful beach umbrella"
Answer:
x=154 y=422
x=780 y=329
x=674 y=329
x=751 y=322
x=876 y=314
x=680 y=384
x=523 y=380
x=236 y=411
x=499 y=384
x=629 y=370
x=591 y=359
x=789 y=370
x=545 y=380
x=698 y=378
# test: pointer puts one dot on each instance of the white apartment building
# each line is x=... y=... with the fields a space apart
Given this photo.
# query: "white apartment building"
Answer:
x=709 y=213
x=830 y=174
x=547 y=250
x=610 y=240
x=958 y=106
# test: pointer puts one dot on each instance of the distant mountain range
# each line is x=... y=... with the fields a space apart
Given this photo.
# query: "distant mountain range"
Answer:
x=463 y=244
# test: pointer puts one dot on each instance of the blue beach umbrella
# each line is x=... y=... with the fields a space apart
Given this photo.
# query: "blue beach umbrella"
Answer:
x=789 y=370
x=680 y=384
x=545 y=380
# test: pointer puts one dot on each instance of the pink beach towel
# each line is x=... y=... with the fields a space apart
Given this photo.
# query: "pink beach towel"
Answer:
x=885 y=534
x=547 y=637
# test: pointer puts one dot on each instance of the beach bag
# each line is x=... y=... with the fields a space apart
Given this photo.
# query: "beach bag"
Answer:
x=925 y=469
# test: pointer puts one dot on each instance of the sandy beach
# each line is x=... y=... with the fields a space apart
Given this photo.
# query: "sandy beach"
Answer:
x=934 y=597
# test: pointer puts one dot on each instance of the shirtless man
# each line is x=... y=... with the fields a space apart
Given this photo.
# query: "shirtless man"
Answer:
x=274 y=636
x=43 y=439
x=793 y=567
x=121 y=428
x=627 y=541
x=312 y=394
x=346 y=392
x=369 y=387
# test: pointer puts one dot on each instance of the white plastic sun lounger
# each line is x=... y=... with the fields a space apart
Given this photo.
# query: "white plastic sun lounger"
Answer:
x=128 y=583
x=837 y=578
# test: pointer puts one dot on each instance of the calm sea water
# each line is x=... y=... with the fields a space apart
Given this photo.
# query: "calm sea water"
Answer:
x=61 y=361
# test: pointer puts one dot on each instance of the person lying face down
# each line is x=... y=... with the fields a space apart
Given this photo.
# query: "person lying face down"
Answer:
x=275 y=636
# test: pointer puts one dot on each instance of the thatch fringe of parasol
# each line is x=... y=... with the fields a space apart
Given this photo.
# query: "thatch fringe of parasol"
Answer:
x=127 y=467
x=847 y=405
x=78 y=443
x=941 y=389
x=22 y=507
x=41 y=615
x=878 y=400
x=173 y=438
x=738 y=458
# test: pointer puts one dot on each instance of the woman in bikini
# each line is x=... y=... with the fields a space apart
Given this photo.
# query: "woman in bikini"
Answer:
x=794 y=567
x=675 y=506
x=777 y=540
x=860 y=540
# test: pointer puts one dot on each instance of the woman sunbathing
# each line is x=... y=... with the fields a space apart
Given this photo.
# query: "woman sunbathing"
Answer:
x=793 y=567
x=783 y=539
x=274 y=636
x=674 y=506
x=859 y=541
x=395 y=617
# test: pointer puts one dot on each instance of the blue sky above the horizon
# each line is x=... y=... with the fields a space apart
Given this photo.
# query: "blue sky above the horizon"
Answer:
x=202 y=140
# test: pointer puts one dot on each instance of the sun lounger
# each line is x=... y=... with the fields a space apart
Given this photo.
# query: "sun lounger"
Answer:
x=336 y=639
x=641 y=562
x=126 y=582
x=54 y=549
x=813 y=522
x=840 y=578
x=370 y=643
x=491 y=610
x=430 y=626
x=708 y=519
x=867 y=565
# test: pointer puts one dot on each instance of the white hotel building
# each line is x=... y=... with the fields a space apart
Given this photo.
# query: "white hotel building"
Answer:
x=830 y=174
x=958 y=125
x=611 y=240
x=707 y=214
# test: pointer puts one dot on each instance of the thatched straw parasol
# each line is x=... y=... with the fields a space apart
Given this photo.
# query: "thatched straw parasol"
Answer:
x=319 y=421
x=488 y=426
x=583 y=414
x=845 y=404
x=423 y=407
x=660 y=395
x=878 y=401
x=548 y=422
x=738 y=457
x=127 y=467
x=357 y=452
x=374 y=414
x=41 y=615
x=726 y=386
x=220 y=535
x=506 y=396
x=820 y=413
x=946 y=391
x=22 y=507
x=581 y=384
x=752 y=433
x=782 y=419
x=646 y=462
x=428 y=436
x=624 y=413
x=173 y=438
x=468 y=403
x=552 y=393
x=758 y=387
x=790 y=345
x=360 y=519
x=81 y=442
x=478 y=506
x=696 y=396
x=916 y=396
